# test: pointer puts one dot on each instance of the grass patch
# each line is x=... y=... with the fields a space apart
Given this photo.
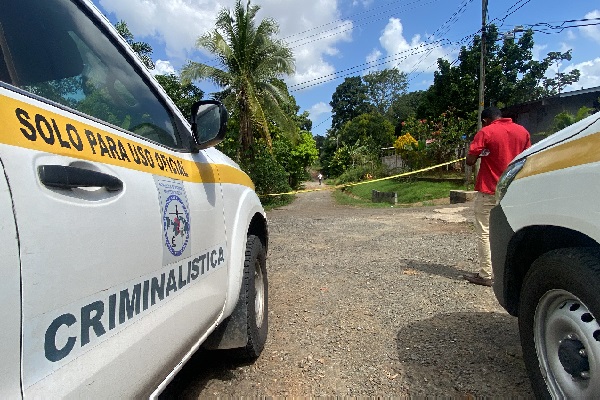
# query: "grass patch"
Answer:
x=409 y=191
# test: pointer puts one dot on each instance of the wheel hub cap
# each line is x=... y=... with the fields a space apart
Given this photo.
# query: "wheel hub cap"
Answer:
x=573 y=357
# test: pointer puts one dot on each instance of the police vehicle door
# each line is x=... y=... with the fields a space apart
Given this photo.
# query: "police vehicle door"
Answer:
x=121 y=229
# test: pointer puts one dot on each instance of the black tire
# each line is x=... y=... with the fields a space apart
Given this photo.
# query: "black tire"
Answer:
x=559 y=335
x=254 y=294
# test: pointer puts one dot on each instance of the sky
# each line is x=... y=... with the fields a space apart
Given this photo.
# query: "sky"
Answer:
x=335 y=39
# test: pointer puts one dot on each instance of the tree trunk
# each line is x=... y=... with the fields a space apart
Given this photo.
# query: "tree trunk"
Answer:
x=245 y=129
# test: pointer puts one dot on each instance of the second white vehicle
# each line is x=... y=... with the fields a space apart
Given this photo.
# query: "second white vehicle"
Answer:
x=545 y=239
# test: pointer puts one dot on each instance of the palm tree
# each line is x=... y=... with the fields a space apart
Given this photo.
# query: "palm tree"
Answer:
x=251 y=60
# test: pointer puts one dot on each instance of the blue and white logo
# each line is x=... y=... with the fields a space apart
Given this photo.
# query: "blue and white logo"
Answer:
x=176 y=219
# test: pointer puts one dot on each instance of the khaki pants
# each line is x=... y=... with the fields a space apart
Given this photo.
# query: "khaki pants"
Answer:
x=483 y=205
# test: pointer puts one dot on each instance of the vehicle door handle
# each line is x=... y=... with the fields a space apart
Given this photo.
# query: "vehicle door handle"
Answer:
x=66 y=177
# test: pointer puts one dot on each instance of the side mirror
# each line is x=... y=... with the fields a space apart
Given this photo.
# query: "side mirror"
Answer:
x=209 y=123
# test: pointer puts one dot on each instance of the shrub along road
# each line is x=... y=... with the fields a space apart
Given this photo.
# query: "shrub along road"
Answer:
x=371 y=302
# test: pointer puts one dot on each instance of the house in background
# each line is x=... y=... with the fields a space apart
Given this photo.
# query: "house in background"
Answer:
x=538 y=116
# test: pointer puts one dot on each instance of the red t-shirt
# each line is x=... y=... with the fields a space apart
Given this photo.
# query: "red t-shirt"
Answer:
x=504 y=140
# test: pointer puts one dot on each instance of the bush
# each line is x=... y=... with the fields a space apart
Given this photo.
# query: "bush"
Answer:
x=361 y=173
x=268 y=175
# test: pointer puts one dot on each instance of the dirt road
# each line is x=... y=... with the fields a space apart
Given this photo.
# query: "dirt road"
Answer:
x=370 y=302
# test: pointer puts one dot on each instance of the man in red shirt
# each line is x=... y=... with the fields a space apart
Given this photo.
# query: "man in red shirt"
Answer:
x=496 y=144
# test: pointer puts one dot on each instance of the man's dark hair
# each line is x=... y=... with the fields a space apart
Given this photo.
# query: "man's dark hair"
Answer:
x=491 y=113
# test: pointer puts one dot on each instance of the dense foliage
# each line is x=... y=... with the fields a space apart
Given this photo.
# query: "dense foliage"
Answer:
x=271 y=140
x=182 y=94
x=434 y=126
x=512 y=76
x=564 y=119
x=251 y=61
x=266 y=134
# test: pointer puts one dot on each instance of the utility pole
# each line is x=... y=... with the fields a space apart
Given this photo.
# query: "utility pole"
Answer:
x=484 y=7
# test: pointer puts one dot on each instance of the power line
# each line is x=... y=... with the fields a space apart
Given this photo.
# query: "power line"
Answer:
x=402 y=7
x=351 y=26
x=370 y=64
x=341 y=74
x=454 y=18
x=511 y=10
x=322 y=122
x=445 y=26
x=562 y=26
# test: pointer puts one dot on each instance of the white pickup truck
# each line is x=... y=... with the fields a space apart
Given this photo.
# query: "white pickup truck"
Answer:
x=545 y=241
x=128 y=240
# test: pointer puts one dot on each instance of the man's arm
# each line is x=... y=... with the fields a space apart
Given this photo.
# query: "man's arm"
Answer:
x=471 y=159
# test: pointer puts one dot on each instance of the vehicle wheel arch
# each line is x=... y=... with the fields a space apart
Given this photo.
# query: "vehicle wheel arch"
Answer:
x=247 y=219
x=527 y=245
x=258 y=228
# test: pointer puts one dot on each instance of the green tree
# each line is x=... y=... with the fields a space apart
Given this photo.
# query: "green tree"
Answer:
x=303 y=121
x=328 y=147
x=251 y=60
x=183 y=95
x=349 y=100
x=565 y=118
x=295 y=157
x=267 y=174
x=405 y=106
x=554 y=86
x=143 y=50
x=384 y=88
x=512 y=76
x=371 y=130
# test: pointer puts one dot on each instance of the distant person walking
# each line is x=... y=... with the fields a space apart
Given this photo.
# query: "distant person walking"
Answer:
x=496 y=145
x=320 y=178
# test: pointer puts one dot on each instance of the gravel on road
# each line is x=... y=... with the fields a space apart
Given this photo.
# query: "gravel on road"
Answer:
x=370 y=302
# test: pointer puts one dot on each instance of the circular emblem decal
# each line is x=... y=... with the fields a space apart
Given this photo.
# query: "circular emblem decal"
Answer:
x=176 y=225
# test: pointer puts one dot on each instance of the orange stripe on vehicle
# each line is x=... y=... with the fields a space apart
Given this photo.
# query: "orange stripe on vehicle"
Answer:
x=570 y=154
x=31 y=127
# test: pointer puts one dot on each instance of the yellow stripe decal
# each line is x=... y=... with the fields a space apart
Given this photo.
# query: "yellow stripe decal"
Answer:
x=31 y=127
x=576 y=152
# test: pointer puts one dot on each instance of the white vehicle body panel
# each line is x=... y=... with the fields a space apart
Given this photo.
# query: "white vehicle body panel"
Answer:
x=10 y=297
x=241 y=204
x=131 y=255
x=553 y=197
x=557 y=201
x=118 y=286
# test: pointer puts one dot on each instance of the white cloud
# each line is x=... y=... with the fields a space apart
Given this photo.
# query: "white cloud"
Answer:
x=590 y=74
x=372 y=60
x=413 y=56
x=592 y=31
x=364 y=3
x=312 y=29
x=162 y=67
x=306 y=26
x=319 y=109
x=177 y=23
x=564 y=47
x=537 y=52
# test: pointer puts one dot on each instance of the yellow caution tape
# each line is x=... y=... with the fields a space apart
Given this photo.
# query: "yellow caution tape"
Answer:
x=365 y=182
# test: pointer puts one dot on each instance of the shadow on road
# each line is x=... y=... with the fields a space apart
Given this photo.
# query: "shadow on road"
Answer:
x=488 y=348
x=446 y=271
x=203 y=367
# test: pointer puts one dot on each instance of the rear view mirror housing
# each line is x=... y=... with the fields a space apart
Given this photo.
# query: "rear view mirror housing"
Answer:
x=209 y=123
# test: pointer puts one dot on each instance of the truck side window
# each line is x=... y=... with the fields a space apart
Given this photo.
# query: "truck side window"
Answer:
x=4 y=75
x=63 y=56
